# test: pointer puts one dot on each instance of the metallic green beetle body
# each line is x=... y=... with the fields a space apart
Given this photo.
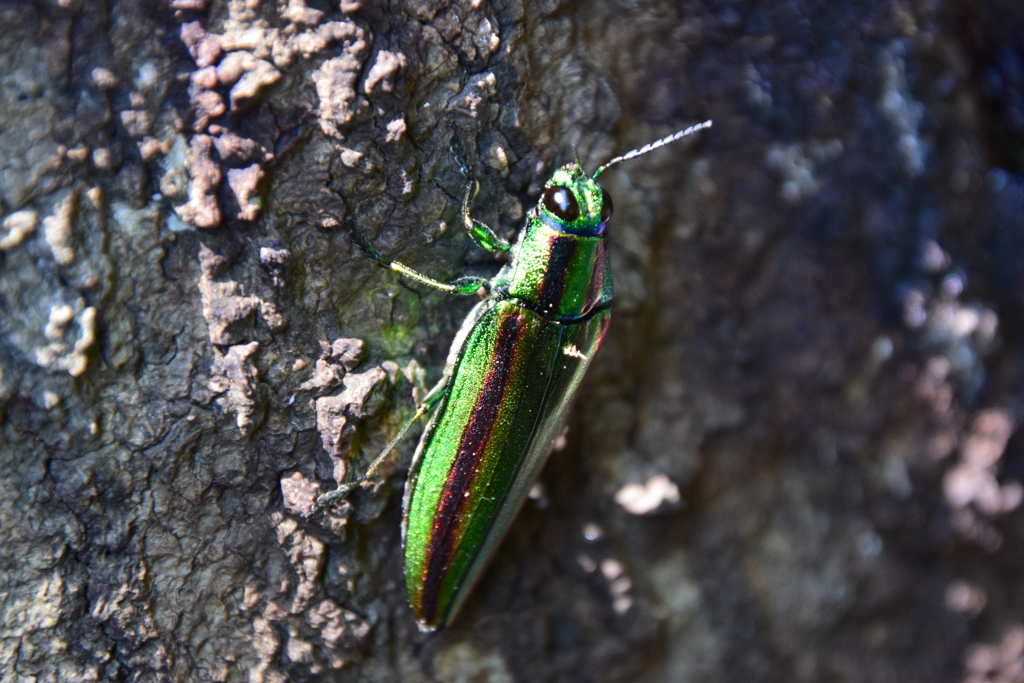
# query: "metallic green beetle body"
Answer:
x=512 y=373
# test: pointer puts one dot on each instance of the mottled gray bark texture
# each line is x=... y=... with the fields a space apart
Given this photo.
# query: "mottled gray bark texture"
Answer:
x=793 y=460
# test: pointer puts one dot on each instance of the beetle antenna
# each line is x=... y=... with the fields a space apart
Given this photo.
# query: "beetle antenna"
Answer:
x=653 y=146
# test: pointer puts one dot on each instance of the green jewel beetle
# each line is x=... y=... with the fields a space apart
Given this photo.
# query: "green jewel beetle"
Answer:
x=512 y=372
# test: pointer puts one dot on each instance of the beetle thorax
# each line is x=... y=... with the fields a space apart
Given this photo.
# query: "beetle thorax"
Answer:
x=559 y=275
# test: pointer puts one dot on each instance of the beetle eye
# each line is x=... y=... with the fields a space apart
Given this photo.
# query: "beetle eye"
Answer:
x=606 y=205
x=561 y=202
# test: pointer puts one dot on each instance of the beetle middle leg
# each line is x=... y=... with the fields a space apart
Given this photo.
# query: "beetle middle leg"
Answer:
x=332 y=498
x=461 y=285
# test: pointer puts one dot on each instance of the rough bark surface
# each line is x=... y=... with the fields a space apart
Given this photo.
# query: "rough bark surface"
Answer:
x=794 y=458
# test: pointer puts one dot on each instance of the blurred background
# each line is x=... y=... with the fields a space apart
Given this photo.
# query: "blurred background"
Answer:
x=796 y=457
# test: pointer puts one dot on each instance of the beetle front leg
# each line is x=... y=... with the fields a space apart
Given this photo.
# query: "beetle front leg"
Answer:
x=481 y=233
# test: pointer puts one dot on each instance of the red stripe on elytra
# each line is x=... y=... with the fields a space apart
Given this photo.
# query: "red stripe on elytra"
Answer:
x=474 y=440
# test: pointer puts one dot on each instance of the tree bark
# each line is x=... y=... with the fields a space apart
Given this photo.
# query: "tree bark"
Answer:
x=793 y=460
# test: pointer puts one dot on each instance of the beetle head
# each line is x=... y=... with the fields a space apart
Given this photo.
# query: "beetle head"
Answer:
x=574 y=203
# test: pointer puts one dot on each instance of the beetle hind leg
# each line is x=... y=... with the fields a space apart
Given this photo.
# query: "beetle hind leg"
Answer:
x=332 y=498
